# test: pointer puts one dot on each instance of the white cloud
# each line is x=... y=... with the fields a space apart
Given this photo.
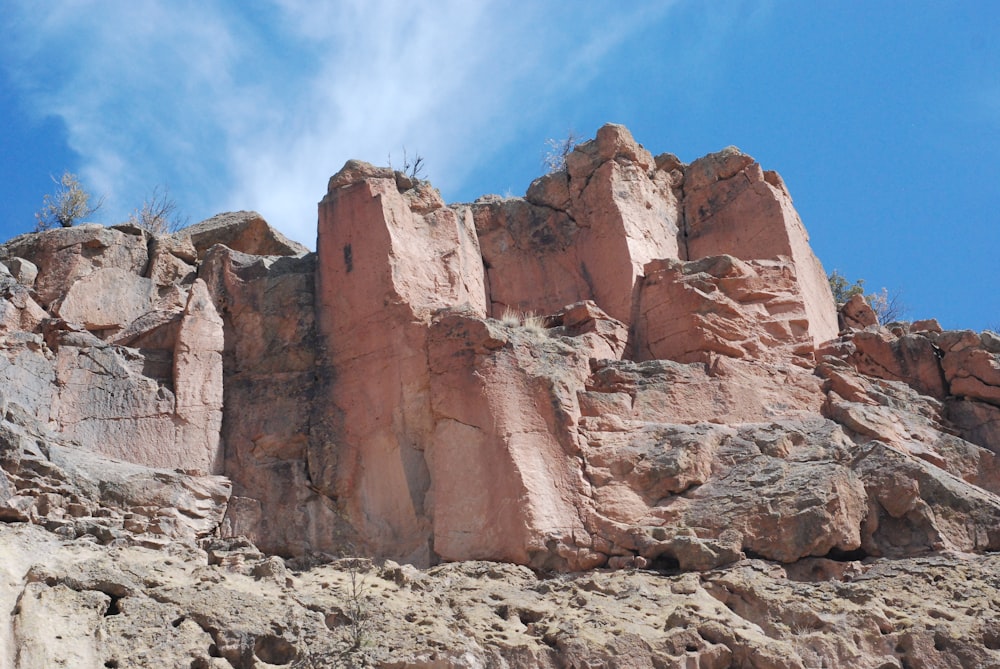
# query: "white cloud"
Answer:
x=243 y=105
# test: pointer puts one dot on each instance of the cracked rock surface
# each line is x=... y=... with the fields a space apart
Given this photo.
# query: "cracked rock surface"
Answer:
x=618 y=422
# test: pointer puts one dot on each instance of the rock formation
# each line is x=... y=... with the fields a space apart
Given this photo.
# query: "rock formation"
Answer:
x=630 y=393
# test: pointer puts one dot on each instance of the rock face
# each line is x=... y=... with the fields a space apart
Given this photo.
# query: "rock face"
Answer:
x=638 y=365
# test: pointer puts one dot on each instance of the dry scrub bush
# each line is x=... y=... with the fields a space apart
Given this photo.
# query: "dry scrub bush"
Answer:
x=158 y=214
x=67 y=206
x=558 y=150
x=888 y=307
x=530 y=321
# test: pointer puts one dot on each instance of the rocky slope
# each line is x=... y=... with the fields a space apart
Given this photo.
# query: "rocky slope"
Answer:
x=630 y=393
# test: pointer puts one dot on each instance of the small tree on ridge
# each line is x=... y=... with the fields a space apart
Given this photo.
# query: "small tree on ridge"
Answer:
x=67 y=206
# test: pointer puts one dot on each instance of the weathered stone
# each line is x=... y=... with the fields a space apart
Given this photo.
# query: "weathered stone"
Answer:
x=65 y=255
x=857 y=314
x=198 y=389
x=105 y=402
x=243 y=231
x=106 y=299
x=269 y=388
x=911 y=359
x=926 y=325
x=24 y=271
x=170 y=260
x=719 y=305
x=499 y=423
x=978 y=422
x=730 y=207
x=974 y=373
x=18 y=310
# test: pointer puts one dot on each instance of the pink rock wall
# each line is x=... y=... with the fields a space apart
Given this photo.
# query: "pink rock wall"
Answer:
x=389 y=256
x=732 y=206
x=583 y=233
x=441 y=433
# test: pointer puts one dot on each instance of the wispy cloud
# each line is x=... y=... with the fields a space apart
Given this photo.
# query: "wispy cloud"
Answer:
x=240 y=105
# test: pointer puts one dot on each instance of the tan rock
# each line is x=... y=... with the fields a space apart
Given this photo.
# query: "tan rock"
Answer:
x=24 y=271
x=18 y=310
x=65 y=255
x=172 y=611
x=108 y=298
x=170 y=260
x=243 y=231
x=58 y=626
x=857 y=314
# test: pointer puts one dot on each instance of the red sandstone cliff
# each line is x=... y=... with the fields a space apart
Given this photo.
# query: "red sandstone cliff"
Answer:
x=639 y=364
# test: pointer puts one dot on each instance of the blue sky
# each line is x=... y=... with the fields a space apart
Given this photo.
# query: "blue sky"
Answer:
x=882 y=117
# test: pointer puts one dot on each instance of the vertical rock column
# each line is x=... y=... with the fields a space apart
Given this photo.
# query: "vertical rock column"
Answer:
x=390 y=254
x=198 y=383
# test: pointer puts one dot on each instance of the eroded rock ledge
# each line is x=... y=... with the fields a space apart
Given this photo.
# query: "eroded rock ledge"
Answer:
x=639 y=364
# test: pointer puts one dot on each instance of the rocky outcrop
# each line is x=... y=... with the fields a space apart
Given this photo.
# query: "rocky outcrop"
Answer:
x=225 y=605
x=637 y=366
x=243 y=231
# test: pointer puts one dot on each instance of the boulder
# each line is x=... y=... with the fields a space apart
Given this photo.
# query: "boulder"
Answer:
x=973 y=372
x=64 y=255
x=243 y=231
x=912 y=359
x=24 y=271
x=171 y=259
x=857 y=314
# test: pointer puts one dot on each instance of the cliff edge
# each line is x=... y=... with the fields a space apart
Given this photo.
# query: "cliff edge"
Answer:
x=636 y=374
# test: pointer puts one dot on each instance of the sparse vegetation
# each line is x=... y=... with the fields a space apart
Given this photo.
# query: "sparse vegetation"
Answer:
x=558 y=151
x=528 y=320
x=357 y=616
x=67 y=206
x=510 y=317
x=533 y=323
x=888 y=307
x=843 y=289
x=412 y=167
x=358 y=607
x=158 y=214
